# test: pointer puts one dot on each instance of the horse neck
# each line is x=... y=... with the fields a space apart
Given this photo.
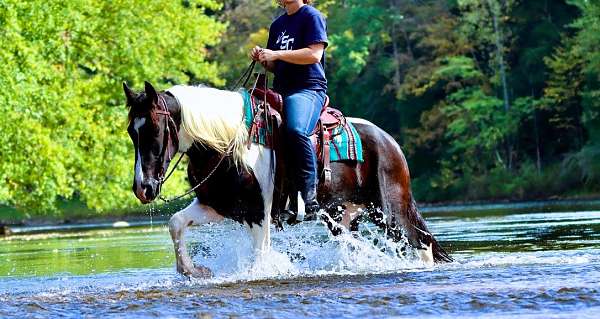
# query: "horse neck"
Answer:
x=208 y=159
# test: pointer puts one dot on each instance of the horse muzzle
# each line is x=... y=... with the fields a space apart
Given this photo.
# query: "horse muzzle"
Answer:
x=147 y=190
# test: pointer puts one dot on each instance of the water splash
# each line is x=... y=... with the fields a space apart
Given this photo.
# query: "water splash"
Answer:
x=306 y=249
x=151 y=211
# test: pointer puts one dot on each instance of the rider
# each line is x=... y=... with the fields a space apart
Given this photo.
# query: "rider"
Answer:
x=295 y=53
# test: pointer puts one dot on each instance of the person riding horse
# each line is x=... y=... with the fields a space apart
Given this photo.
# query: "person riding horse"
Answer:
x=182 y=119
x=295 y=53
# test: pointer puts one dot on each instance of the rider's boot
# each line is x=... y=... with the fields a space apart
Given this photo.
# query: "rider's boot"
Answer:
x=311 y=208
x=311 y=205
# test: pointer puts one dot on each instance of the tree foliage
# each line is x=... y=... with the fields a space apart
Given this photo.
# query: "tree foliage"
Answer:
x=490 y=99
x=64 y=119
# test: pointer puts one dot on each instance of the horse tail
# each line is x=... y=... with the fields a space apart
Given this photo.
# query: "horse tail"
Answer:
x=424 y=235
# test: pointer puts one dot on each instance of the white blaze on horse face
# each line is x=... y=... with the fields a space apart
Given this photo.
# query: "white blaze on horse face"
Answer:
x=261 y=160
x=139 y=174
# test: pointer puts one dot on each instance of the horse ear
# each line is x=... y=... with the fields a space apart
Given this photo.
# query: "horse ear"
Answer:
x=129 y=94
x=151 y=92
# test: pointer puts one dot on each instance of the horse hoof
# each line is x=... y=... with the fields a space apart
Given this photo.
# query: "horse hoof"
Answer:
x=426 y=255
x=199 y=272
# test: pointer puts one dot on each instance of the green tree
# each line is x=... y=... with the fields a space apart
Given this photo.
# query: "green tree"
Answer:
x=584 y=75
x=63 y=129
x=247 y=24
x=588 y=41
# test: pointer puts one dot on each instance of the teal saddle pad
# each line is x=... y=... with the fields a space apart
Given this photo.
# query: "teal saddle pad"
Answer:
x=344 y=145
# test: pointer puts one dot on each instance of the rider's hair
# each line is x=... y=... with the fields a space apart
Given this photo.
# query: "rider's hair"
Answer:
x=305 y=2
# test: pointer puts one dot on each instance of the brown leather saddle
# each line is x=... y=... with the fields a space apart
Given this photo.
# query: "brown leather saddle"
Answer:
x=329 y=121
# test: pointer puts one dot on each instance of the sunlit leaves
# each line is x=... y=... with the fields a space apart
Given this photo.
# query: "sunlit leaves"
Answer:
x=64 y=119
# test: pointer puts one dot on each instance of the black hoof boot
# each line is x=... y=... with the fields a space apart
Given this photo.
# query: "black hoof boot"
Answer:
x=311 y=208
x=290 y=217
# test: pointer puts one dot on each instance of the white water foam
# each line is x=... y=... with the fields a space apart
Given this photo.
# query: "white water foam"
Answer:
x=307 y=249
x=549 y=257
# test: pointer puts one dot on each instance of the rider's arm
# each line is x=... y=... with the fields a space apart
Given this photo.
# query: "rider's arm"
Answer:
x=310 y=55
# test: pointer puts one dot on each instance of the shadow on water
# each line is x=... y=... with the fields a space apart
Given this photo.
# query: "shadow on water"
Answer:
x=535 y=265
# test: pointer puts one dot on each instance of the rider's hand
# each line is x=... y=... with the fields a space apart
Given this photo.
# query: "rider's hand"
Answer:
x=267 y=55
x=254 y=54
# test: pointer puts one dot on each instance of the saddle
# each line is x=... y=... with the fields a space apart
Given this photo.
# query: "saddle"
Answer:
x=328 y=122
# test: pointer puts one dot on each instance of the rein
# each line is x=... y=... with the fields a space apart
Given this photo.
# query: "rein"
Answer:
x=165 y=111
x=167 y=200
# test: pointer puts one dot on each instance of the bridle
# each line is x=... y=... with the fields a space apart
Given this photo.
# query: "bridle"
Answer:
x=164 y=159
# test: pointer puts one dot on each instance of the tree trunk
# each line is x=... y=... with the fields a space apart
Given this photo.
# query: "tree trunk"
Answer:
x=395 y=7
x=538 y=154
x=501 y=65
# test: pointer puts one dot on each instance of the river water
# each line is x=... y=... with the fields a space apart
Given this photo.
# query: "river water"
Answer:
x=518 y=264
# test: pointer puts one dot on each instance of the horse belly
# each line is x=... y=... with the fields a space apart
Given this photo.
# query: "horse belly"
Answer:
x=346 y=181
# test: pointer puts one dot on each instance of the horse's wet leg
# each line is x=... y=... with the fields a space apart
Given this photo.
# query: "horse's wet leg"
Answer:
x=193 y=214
x=261 y=235
x=350 y=216
x=343 y=217
x=262 y=160
x=402 y=217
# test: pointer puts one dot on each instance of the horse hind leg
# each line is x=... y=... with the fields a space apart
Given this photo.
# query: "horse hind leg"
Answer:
x=194 y=214
x=344 y=217
x=402 y=215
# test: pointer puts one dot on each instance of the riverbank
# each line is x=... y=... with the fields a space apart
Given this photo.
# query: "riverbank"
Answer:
x=512 y=207
x=76 y=213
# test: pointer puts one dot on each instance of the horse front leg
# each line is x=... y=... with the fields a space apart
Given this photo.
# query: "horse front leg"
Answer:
x=193 y=214
x=262 y=160
x=261 y=234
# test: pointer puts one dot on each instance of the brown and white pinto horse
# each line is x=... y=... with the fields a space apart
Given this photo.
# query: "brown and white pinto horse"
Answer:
x=207 y=125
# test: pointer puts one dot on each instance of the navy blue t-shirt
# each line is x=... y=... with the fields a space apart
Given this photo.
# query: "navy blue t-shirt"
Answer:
x=297 y=31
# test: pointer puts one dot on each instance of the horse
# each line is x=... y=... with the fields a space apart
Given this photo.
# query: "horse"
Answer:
x=234 y=178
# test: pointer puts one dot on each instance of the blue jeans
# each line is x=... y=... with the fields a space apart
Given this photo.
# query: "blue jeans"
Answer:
x=301 y=111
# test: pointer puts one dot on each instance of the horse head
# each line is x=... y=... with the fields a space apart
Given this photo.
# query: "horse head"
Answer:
x=153 y=131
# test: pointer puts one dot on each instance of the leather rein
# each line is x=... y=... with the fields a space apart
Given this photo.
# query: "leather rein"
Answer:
x=163 y=110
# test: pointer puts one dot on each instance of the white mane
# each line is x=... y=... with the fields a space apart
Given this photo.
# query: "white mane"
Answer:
x=213 y=117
